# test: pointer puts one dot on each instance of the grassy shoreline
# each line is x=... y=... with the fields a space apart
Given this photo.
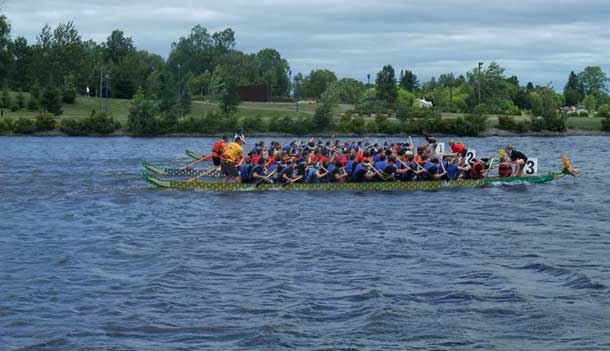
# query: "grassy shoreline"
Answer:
x=119 y=109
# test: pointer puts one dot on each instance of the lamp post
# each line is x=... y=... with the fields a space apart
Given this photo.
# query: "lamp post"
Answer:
x=106 y=107
x=296 y=85
x=178 y=87
x=479 y=80
x=368 y=86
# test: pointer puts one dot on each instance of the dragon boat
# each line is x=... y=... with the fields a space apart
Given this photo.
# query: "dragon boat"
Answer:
x=364 y=186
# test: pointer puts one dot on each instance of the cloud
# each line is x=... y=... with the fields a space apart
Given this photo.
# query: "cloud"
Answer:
x=539 y=41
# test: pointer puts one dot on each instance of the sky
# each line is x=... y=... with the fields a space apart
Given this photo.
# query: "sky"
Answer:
x=538 y=40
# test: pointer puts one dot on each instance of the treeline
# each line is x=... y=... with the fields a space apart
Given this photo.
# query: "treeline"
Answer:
x=60 y=66
x=201 y=63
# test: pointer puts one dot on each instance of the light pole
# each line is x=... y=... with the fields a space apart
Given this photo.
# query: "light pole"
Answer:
x=479 y=80
x=368 y=86
x=296 y=86
x=106 y=107
x=178 y=88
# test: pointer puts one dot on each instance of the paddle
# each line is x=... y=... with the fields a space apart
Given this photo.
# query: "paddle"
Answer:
x=491 y=163
x=195 y=162
x=384 y=178
x=292 y=181
x=265 y=179
x=203 y=174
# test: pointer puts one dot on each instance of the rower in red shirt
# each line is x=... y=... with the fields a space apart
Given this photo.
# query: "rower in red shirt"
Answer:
x=457 y=148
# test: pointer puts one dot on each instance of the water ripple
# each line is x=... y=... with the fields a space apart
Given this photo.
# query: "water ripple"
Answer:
x=93 y=258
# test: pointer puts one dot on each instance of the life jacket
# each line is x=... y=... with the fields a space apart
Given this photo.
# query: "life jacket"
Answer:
x=458 y=148
x=256 y=169
x=244 y=172
x=218 y=148
x=359 y=172
x=287 y=170
x=452 y=171
x=476 y=171
x=348 y=167
x=505 y=170
x=310 y=177
x=430 y=170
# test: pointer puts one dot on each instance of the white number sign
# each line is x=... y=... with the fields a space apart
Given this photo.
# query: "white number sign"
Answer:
x=440 y=148
x=531 y=166
x=470 y=155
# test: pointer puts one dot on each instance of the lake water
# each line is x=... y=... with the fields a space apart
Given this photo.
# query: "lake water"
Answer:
x=94 y=258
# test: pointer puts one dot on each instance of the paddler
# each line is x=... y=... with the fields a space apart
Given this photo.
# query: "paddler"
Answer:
x=457 y=148
x=517 y=158
x=229 y=158
x=287 y=174
x=257 y=173
x=217 y=150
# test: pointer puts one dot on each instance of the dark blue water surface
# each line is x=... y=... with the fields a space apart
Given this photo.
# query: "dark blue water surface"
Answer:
x=94 y=258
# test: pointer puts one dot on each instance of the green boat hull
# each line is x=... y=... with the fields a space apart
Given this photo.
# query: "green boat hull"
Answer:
x=369 y=186
x=192 y=154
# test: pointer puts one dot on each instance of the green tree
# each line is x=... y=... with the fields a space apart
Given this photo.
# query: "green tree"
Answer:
x=141 y=119
x=35 y=90
x=408 y=81
x=152 y=85
x=199 y=84
x=323 y=116
x=6 y=49
x=572 y=91
x=225 y=40
x=32 y=103
x=590 y=103
x=594 y=80
x=118 y=46
x=69 y=92
x=22 y=75
x=224 y=89
x=386 y=85
x=405 y=97
x=20 y=100
x=51 y=101
x=316 y=83
x=167 y=90
x=186 y=101
x=273 y=71
x=349 y=91
x=5 y=99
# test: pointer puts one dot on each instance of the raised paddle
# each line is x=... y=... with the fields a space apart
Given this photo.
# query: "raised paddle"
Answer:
x=195 y=162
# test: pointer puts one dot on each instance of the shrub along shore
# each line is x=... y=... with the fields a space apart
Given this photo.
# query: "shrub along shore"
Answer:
x=142 y=122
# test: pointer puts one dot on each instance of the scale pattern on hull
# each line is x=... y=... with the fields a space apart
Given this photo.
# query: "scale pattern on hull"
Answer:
x=178 y=172
x=370 y=186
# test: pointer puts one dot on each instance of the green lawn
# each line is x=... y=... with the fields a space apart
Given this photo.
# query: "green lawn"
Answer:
x=120 y=110
x=579 y=123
